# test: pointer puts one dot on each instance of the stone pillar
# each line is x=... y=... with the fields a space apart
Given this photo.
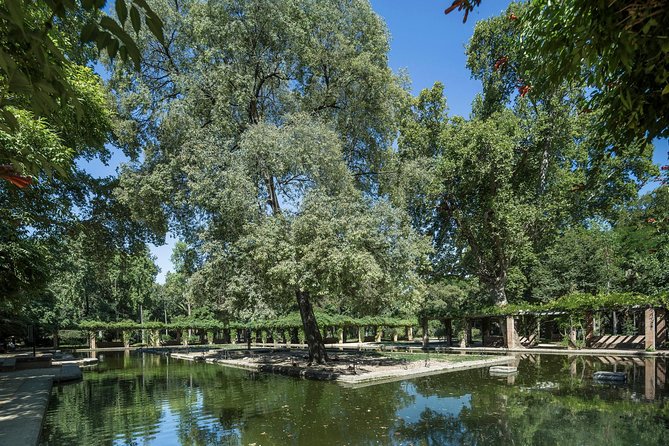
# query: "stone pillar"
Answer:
x=155 y=335
x=449 y=331
x=340 y=333
x=468 y=333
x=649 y=325
x=509 y=332
x=184 y=337
x=660 y=327
x=589 y=328
x=361 y=334
x=378 y=333
x=395 y=335
x=55 y=339
x=409 y=333
x=92 y=341
x=463 y=334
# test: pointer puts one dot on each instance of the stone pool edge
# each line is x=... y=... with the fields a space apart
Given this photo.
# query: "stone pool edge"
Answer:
x=370 y=378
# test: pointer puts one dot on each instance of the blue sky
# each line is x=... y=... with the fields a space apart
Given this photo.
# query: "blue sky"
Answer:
x=430 y=45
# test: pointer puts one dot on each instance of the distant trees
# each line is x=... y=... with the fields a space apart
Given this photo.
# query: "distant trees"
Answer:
x=497 y=191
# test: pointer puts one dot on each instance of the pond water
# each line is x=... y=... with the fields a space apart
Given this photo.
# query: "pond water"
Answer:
x=144 y=399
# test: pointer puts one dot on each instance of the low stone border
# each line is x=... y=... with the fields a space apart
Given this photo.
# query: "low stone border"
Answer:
x=349 y=379
x=435 y=367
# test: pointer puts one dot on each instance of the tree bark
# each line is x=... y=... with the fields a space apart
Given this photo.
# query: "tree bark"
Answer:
x=499 y=292
x=314 y=339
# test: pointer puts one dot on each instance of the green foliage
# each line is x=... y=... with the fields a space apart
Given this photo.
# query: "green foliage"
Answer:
x=584 y=260
x=578 y=303
x=36 y=55
x=495 y=192
x=618 y=50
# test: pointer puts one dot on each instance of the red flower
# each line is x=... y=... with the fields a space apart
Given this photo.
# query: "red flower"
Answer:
x=499 y=63
x=651 y=220
x=513 y=16
x=523 y=90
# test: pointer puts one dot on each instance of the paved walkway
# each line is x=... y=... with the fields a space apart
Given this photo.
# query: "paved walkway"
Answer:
x=24 y=397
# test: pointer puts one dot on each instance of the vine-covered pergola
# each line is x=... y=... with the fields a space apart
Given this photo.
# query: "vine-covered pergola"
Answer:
x=579 y=319
x=519 y=325
x=286 y=329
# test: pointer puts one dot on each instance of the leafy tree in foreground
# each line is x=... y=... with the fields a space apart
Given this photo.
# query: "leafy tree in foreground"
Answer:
x=247 y=109
x=42 y=43
x=617 y=50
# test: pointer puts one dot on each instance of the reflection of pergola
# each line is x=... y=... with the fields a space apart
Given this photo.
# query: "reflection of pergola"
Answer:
x=520 y=329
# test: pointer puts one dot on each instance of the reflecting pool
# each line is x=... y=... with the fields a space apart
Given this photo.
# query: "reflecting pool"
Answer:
x=144 y=399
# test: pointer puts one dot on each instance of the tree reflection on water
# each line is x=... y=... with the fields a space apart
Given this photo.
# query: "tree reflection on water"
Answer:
x=143 y=399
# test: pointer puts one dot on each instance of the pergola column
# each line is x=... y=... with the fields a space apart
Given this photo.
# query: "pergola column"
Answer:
x=463 y=334
x=361 y=334
x=468 y=333
x=485 y=329
x=650 y=332
x=340 y=333
x=409 y=333
x=509 y=332
x=378 y=333
x=572 y=336
x=92 y=341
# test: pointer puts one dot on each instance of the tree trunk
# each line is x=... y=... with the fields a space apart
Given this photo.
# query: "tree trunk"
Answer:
x=426 y=335
x=499 y=292
x=313 y=335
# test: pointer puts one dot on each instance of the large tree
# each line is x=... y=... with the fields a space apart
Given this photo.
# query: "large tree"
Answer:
x=246 y=108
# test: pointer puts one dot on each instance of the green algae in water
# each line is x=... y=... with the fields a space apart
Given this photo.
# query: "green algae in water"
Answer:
x=146 y=399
